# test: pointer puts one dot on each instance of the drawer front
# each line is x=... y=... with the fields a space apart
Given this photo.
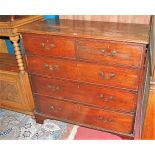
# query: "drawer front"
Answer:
x=112 y=53
x=55 y=46
x=52 y=67
x=108 y=75
x=102 y=97
x=84 y=115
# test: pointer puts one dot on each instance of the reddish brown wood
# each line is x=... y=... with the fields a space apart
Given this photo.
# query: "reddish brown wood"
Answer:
x=109 y=75
x=92 y=77
x=110 y=52
x=86 y=72
x=75 y=112
x=54 y=46
x=134 y=33
x=41 y=117
x=52 y=67
x=102 y=97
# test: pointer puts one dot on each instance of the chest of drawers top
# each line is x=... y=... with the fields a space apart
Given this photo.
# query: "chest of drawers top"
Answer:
x=137 y=33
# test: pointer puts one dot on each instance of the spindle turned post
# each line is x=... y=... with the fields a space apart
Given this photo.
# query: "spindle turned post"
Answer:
x=19 y=59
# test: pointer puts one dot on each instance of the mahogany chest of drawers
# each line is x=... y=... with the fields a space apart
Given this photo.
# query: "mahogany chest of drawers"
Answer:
x=89 y=73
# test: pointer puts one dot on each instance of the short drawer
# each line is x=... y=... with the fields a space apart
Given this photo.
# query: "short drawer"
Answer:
x=52 y=67
x=85 y=115
x=110 y=52
x=101 y=97
x=109 y=75
x=49 y=45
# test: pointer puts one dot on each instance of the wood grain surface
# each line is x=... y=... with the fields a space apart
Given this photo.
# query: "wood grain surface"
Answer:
x=138 y=33
x=137 y=19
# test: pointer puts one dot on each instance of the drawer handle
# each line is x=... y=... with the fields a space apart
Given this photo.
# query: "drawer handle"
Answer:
x=43 y=45
x=52 y=45
x=49 y=86
x=53 y=108
x=100 y=118
x=103 y=51
x=46 y=65
x=113 y=53
x=101 y=74
x=54 y=67
x=110 y=120
x=108 y=77
x=51 y=67
x=101 y=96
x=57 y=88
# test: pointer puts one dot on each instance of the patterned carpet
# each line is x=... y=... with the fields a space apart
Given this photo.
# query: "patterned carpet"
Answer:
x=14 y=126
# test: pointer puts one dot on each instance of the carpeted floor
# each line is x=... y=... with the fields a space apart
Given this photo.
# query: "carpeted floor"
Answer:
x=17 y=126
x=14 y=126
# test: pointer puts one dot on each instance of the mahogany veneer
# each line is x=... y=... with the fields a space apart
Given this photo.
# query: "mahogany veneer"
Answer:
x=88 y=73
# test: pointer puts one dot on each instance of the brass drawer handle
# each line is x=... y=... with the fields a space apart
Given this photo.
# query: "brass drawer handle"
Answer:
x=113 y=53
x=101 y=74
x=46 y=65
x=51 y=67
x=110 y=120
x=43 y=45
x=57 y=88
x=103 y=51
x=100 y=118
x=101 y=96
x=51 y=107
x=52 y=45
x=49 y=86
x=107 y=77
x=54 y=67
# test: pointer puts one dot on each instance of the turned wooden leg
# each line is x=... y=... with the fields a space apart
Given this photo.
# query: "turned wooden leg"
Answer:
x=19 y=59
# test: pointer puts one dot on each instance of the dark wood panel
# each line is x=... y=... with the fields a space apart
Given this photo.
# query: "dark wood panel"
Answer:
x=108 y=75
x=86 y=72
x=75 y=112
x=110 y=52
x=52 y=67
x=102 y=97
x=54 y=46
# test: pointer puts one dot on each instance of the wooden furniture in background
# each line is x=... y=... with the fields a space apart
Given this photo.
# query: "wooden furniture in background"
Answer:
x=89 y=73
x=15 y=91
x=3 y=48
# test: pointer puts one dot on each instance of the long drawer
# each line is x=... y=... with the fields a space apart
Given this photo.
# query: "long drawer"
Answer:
x=86 y=72
x=102 y=97
x=110 y=52
x=77 y=113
